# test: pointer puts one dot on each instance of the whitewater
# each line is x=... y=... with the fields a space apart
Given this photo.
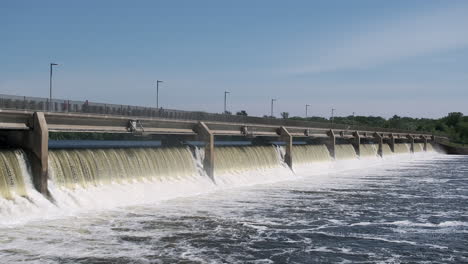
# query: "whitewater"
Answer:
x=158 y=206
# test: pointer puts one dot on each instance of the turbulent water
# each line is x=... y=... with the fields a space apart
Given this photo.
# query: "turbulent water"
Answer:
x=403 y=208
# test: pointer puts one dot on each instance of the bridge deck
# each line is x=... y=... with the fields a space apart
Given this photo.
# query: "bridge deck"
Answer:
x=79 y=122
x=62 y=108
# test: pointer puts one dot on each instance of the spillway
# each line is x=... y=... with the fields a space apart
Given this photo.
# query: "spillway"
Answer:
x=402 y=148
x=92 y=167
x=309 y=154
x=115 y=177
x=368 y=150
x=239 y=159
x=386 y=150
x=345 y=151
x=430 y=148
x=12 y=179
x=418 y=147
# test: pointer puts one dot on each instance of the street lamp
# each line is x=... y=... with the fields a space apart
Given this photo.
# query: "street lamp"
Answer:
x=225 y=98
x=272 y=101
x=354 y=117
x=50 y=85
x=307 y=106
x=157 y=92
x=332 y=117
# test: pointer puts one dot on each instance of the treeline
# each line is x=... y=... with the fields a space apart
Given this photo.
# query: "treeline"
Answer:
x=454 y=125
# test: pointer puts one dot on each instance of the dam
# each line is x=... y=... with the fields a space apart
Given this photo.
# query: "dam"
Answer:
x=201 y=187
x=270 y=144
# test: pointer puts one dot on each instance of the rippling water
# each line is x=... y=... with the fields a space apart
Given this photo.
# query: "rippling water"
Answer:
x=411 y=211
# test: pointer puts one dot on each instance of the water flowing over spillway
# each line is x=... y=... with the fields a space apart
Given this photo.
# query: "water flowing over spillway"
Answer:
x=402 y=148
x=239 y=159
x=418 y=147
x=309 y=154
x=83 y=179
x=89 y=167
x=368 y=150
x=345 y=151
x=430 y=148
x=11 y=173
x=386 y=150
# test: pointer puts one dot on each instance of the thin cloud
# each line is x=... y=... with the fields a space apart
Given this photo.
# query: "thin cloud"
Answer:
x=406 y=37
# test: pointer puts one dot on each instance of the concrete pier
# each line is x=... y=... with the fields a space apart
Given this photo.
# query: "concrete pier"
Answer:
x=391 y=142
x=206 y=135
x=379 y=139
x=357 y=143
x=38 y=147
x=286 y=137
x=425 y=142
x=411 y=140
x=331 y=143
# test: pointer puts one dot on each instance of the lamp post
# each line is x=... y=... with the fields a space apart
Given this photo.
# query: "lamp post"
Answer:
x=332 y=116
x=353 y=119
x=225 y=99
x=157 y=92
x=307 y=106
x=50 y=85
x=272 y=101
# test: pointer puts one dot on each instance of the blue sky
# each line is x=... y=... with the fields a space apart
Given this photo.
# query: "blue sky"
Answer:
x=370 y=57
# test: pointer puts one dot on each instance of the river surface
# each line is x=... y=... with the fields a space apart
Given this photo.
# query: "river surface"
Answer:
x=413 y=210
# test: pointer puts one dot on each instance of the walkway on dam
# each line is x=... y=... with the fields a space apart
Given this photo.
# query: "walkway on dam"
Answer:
x=38 y=104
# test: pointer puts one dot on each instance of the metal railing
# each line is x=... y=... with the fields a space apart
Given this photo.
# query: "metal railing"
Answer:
x=13 y=102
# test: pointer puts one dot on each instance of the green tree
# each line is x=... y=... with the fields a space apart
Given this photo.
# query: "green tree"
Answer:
x=453 y=119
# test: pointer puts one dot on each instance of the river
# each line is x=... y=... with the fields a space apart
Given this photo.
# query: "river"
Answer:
x=408 y=209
